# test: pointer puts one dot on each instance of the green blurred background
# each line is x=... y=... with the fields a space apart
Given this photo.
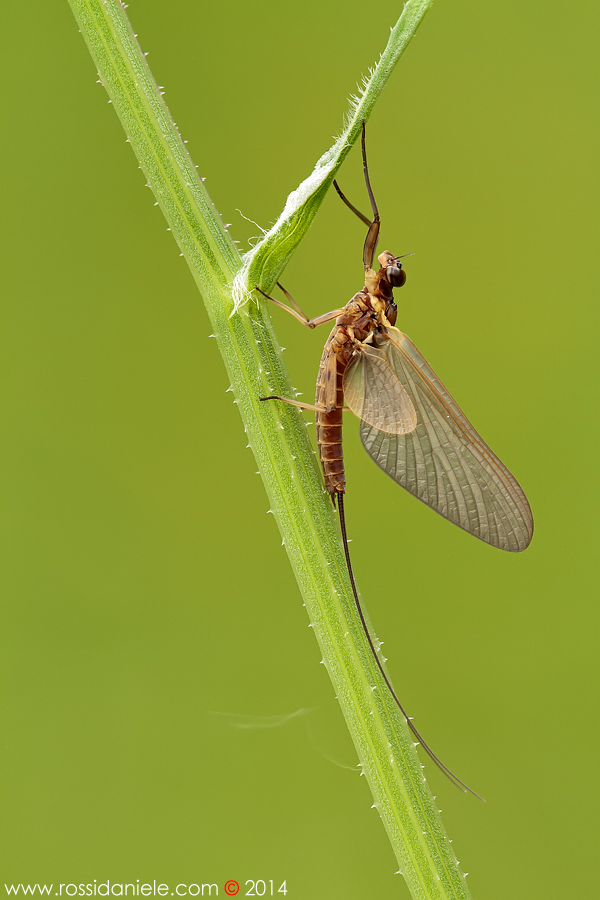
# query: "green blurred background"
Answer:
x=164 y=712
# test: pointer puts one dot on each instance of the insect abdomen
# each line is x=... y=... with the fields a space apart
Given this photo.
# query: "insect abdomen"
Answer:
x=329 y=430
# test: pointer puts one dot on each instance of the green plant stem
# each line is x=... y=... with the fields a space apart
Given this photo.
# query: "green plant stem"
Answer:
x=286 y=461
x=267 y=259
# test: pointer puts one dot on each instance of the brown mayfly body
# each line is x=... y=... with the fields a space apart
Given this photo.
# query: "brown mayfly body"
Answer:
x=410 y=424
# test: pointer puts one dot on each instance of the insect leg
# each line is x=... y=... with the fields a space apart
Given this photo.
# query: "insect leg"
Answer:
x=297 y=312
x=297 y=403
x=374 y=224
x=366 y=171
x=306 y=406
x=350 y=206
x=292 y=301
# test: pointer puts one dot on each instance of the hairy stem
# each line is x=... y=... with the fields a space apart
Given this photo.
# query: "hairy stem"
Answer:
x=279 y=440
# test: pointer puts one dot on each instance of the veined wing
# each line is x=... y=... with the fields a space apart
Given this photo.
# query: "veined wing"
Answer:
x=374 y=393
x=443 y=461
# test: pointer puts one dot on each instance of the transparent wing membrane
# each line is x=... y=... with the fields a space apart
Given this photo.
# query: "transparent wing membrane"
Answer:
x=443 y=461
x=374 y=393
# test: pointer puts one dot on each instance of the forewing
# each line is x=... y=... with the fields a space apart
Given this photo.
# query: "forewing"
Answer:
x=443 y=461
x=374 y=393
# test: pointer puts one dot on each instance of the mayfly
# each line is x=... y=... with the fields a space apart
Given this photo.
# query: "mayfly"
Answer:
x=410 y=425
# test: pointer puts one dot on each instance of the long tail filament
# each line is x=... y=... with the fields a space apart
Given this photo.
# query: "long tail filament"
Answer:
x=449 y=774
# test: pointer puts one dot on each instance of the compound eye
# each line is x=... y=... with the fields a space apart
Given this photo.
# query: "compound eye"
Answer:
x=395 y=275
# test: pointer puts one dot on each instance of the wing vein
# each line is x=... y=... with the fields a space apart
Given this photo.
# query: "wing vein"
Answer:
x=443 y=461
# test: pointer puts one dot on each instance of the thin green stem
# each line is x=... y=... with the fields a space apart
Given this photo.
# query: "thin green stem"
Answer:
x=279 y=440
x=265 y=262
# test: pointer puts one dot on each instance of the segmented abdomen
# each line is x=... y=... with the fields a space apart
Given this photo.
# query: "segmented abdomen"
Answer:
x=329 y=425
